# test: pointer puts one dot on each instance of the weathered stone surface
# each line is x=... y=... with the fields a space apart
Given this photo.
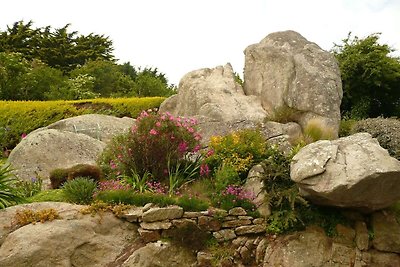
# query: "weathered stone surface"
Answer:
x=149 y=235
x=159 y=225
x=224 y=235
x=345 y=234
x=287 y=71
x=204 y=259
x=237 y=211
x=182 y=223
x=192 y=214
x=260 y=250
x=42 y=151
x=209 y=223
x=362 y=237
x=236 y=223
x=133 y=215
x=159 y=214
x=160 y=254
x=386 y=232
x=258 y=221
x=215 y=95
x=98 y=126
x=250 y=229
x=74 y=240
x=254 y=183
x=305 y=249
x=353 y=172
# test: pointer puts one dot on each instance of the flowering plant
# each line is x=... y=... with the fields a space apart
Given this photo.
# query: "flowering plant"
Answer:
x=234 y=196
x=154 y=144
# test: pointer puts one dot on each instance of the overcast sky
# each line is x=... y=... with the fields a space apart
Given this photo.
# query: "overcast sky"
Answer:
x=178 y=36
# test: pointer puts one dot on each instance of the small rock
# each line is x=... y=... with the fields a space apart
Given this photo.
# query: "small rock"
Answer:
x=192 y=214
x=224 y=235
x=258 y=221
x=162 y=225
x=148 y=235
x=250 y=229
x=237 y=211
x=160 y=214
x=204 y=259
x=386 y=232
x=235 y=223
x=133 y=215
x=209 y=223
x=362 y=237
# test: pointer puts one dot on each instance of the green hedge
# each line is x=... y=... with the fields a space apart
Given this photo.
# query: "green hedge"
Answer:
x=22 y=117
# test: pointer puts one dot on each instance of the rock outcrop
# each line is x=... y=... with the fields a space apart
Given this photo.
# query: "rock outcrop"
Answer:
x=352 y=172
x=42 y=151
x=215 y=95
x=288 y=72
x=98 y=126
x=73 y=240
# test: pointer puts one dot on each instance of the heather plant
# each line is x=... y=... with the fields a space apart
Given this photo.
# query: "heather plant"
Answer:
x=234 y=196
x=153 y=141
x=80 y=190
x=241 y=150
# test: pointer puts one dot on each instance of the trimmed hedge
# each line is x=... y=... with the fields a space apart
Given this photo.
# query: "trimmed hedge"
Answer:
x=22 y=117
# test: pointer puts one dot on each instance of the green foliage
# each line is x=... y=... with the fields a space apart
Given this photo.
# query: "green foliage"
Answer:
x=27 y=216
x=346 y=127
x=21 y=117
x=370 y=76
x=155 y=144
x=224 y=176
x=59 y=176
x=386 y=131
x=137 y=182
x=80 y=190
x=8 y=195
x=189 y=203
x=151 y=83
x=241 y=150
x=54 y=195
x=185 y=171
x=58 y=48
x=29 y=188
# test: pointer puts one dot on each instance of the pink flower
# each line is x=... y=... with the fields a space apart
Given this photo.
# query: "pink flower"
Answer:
x=113 y=165
x=23 y=135
x=204 y=170
x=144 y=114
x=183 y=147
x=190 y=130
x=158 y=124
x=196 y=148
x=209 y=153
x=153 y=132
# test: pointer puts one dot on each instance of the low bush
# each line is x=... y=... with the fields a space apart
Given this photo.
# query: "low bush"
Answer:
x=130 y=197
x=59 y=176
x=386 y=131
x=241 y=150
x=22 y=117
x=80 y=190
x=156 y=144
x=234 y=196
x=189 y=203
x=28 y=188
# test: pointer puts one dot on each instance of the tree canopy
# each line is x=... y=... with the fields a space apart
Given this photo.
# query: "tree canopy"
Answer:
x=370 y=76
x=46 y=64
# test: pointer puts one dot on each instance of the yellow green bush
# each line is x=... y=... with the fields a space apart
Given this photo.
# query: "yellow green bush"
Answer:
x=22 y=117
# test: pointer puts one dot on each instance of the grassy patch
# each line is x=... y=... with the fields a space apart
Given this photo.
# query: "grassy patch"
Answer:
x=55 y=195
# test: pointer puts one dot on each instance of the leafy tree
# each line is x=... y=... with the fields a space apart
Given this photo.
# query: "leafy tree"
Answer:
x=151 y=83
x=371 y=77
x=58 y=48
x=21 y=79
x=108 y=78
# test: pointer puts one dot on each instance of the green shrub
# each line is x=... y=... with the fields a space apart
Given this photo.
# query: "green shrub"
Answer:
x=8 y=194
x=224 y=176
x=59 y=176
x=234 y=196
x=346 y=127
x=189 y=203
x=241 y=150
x=29 y=188
x=283 y=114
x=22 y=117
x=155 y=144
x=80 y=190
x=386 y=131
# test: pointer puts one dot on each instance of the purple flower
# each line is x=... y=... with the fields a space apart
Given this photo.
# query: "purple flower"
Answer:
x=183 y=147
x=204 y=170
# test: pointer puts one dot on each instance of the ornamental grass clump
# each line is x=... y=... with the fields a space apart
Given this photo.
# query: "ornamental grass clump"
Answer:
x=80 y=190
x=155 y=144
x=8 y=194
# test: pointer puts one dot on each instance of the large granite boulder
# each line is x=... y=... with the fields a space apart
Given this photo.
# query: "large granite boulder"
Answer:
x=98 y=126
x=74 y=240
x=352 y=172
x=288 y=72
x=42 y=151
x=215 y=95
